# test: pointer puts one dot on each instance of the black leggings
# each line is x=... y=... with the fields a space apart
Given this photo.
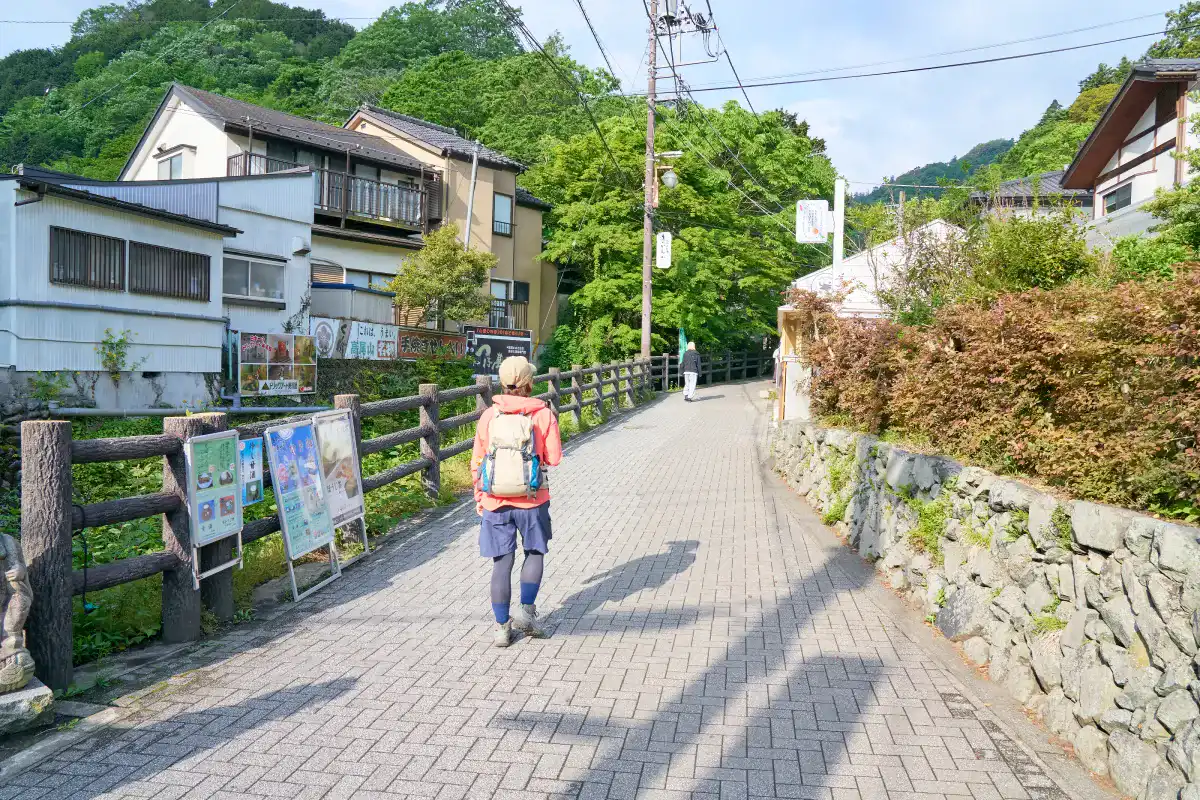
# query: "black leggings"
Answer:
x=531 y=572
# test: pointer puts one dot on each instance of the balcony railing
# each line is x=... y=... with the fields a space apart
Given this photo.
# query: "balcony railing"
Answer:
x=502 y=228
x=343 y=195
x=509 y=314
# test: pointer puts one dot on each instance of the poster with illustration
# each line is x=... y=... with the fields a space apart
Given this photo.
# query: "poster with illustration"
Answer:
x=339 y=465
x=214 y=486
x=250 y=462
x=299 y=489
x=276 y=364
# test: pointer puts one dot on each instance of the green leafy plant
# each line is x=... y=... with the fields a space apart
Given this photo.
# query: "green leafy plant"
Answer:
x=1047 y=623
x=114 y=354
x=978 y=537
x=932 y=516
x=941 y=597
x=837 y=510
x=46 y=387
x=1017 y=526
x=1060 y=521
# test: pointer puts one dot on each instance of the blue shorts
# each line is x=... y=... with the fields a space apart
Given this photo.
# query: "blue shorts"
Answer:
x=498 y=532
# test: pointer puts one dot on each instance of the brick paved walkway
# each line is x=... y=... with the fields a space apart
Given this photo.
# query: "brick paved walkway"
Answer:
x=711 y=640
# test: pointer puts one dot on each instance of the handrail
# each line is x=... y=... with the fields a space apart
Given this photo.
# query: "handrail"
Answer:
x=49 y=514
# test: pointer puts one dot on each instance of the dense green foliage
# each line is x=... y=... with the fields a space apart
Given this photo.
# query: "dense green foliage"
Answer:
x=1089 y=387
x=443 y=280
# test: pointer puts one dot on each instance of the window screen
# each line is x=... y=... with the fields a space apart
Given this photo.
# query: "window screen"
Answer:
x=87 y=259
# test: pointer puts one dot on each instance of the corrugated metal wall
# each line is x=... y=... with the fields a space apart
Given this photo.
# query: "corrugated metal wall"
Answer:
x=196 y=200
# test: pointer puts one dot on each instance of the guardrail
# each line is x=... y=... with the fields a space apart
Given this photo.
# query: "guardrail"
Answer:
x=49 y=515
x=714 y=368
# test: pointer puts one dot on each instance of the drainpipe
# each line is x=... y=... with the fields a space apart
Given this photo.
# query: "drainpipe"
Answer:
x=471 y=196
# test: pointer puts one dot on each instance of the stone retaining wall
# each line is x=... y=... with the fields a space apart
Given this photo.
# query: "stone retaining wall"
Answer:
x=1087 y=614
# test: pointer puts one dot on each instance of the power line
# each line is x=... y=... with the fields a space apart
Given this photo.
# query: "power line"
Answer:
x=158 y=58
x=934 y=67
x=977 y=48
x=596 y=36
x=736 y=77
x=515 y=20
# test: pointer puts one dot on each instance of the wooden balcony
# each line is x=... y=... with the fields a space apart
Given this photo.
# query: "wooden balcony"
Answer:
x=347 y=196
x=509 y=314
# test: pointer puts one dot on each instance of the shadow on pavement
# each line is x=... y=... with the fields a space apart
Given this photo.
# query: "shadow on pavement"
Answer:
x=153 y=740
x=622 y=582
x=706 y=397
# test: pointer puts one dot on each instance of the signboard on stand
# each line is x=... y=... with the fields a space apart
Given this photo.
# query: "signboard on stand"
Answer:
x=250 y=465
x=812 y=221
x=490 y=346
x=375 y=341
x=214 y=493
x=304 y=516
x=339 y=465
x=272 y=364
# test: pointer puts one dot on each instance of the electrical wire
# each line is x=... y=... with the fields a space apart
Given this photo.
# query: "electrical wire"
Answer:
x=975 y=49
x=934 y=67
x=596 y=36
x=515 y=20
x=736 y=77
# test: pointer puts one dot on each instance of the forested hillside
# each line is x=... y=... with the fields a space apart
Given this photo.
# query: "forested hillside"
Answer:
x=956 y=170
x=82 y=107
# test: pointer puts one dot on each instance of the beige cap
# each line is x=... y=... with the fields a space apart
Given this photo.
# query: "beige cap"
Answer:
x=516 y=371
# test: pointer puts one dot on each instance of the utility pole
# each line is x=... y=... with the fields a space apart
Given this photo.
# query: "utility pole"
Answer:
x=839 y=220
x=648 y=220
x=900 y=216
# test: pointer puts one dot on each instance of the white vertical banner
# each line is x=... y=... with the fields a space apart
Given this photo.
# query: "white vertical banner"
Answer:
x=812 y=221
x=662 y=250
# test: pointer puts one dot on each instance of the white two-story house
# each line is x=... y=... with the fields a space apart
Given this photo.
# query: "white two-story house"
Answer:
x=1131 y=153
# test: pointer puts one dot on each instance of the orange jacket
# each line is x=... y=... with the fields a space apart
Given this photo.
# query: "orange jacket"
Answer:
x=546 y=445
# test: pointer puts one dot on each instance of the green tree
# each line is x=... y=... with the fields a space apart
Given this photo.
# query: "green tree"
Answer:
x=734 y=249
x=1182 y=39
x=416 y=31
x=444 y=281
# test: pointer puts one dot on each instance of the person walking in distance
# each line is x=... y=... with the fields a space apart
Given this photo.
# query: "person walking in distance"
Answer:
x=516 y=439
x=691 y=371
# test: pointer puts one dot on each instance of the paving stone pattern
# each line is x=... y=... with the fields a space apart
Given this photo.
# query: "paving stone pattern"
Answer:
x=712 y=640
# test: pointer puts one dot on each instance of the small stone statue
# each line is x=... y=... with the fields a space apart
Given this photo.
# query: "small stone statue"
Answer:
x=16 y=664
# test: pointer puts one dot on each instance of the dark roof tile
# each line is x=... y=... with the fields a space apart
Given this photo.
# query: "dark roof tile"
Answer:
x=446 y=139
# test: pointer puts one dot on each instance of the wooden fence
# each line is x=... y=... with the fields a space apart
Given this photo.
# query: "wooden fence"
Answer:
x=714 y=368
x=50 y=516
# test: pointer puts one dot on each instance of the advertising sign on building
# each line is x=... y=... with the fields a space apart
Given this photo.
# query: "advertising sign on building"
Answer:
x=490 y=346
x=338 y=453
x=371 y=340
x=276 y=364
x=378 y=342
x=325 y=333
x=299 y=490
x=250 y=464
x=214 y=489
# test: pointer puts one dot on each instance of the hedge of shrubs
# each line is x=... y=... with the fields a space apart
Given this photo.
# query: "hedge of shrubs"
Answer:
x=1092 y=389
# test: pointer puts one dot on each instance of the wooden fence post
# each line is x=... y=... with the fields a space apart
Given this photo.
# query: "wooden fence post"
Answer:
x=180 y=600
x=431 y=440
x=353 y=404
x=555 y=377
x=484 y=398
x=46 y=512
x=706 y=366
x=577 y=391
x=216 y=591
x=598 y=375
x=665 y=377
x=630 y=394
x=728 y=366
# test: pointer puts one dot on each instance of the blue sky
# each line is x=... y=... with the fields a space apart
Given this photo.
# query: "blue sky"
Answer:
x=874 y=126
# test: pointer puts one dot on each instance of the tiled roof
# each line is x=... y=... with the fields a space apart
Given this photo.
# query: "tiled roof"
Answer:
x=441 y=137
x=1049 y=185
x=527 y=198
x=298 y=129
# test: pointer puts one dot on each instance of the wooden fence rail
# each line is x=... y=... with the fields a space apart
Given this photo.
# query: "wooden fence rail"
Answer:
x=49 y=515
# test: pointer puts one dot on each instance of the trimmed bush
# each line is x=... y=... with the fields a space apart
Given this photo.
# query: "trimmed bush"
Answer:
x=1089 y=388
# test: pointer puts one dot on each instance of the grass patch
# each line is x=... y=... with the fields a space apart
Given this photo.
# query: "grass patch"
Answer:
x=977 y=536
x=1017 y=526
x=840 y=470
x=837 y=510
x=1060 y=521
x=932 y=516
x=1047 y=623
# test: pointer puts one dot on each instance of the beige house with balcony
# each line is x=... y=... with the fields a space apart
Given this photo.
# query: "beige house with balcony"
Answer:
x=378 y=184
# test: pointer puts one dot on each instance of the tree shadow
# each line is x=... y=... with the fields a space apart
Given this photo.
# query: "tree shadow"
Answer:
x=235 y=735
x=622 y=582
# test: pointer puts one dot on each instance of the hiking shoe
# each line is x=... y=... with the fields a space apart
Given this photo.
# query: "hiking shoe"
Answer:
x=502 y=637
x=524 y=619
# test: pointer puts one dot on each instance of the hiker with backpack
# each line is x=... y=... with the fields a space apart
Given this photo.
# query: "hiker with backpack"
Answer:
x=691 y=371
x=516 y=439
